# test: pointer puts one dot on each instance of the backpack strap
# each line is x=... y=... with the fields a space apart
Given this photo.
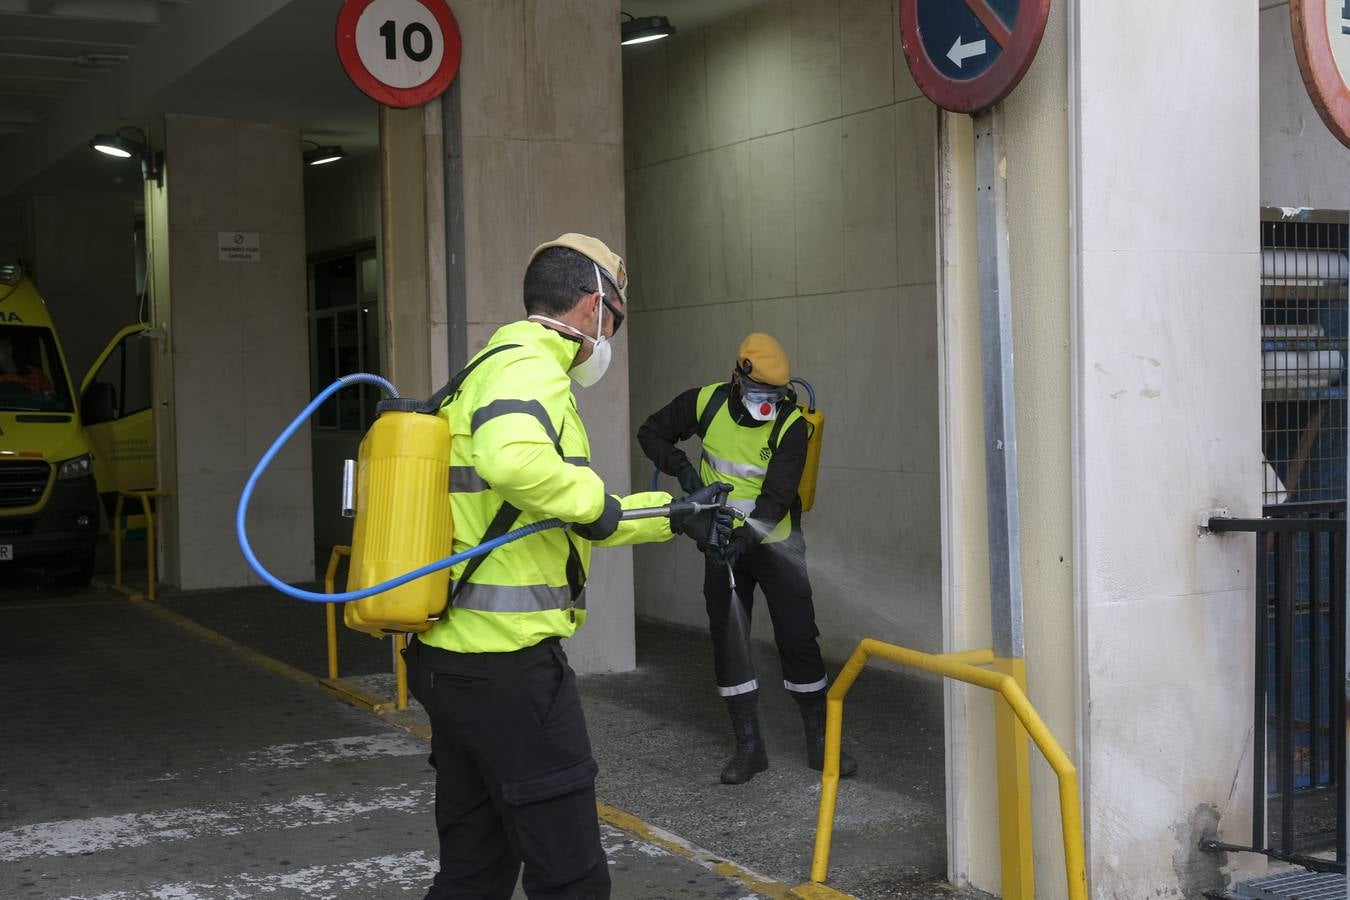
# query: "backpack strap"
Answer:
x=779 y=424
x=715 y=403
x=434 y=403
x=501 y=523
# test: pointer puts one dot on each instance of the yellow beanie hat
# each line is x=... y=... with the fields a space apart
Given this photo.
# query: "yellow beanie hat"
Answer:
x=763 y=359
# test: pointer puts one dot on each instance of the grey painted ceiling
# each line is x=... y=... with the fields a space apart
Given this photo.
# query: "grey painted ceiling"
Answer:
x=72 y=68
x=688 y=14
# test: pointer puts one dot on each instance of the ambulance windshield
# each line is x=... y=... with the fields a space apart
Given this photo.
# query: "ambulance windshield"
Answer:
x=31 y=376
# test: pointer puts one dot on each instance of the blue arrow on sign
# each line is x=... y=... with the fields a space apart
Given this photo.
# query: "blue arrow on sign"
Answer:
x=964 y=38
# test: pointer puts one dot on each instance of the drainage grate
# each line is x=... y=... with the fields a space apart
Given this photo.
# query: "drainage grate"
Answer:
x=1295 y=886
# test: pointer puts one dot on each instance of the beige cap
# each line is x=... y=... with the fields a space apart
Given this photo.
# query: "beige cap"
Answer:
x=763 y=359
x=595 y=250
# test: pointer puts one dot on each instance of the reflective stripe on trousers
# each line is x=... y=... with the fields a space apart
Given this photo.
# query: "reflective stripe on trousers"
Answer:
x=735 y=690
x=811 y=688
x=511 y=598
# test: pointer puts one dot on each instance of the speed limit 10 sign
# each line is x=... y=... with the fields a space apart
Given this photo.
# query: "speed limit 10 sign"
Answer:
x=399 y=52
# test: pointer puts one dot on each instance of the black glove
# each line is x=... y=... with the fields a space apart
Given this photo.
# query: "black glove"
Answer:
x=603 y=527
x=742 y=541
x=709 y=528
x=689 y=480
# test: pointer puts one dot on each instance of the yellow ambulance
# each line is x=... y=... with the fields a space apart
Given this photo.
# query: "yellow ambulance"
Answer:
x=60 y=450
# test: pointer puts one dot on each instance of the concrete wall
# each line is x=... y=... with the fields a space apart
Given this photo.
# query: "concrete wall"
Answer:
x=1301 y=163
x=780 y=171
x=84 y=265
x=543 y=154
x=1167 y=388
x=239 y=367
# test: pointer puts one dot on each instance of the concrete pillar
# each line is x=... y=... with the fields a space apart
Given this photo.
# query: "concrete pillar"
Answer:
x=542 y=137
x=1167 y=385
x=1132 y=215
x=1037 y=145
x=236 y=368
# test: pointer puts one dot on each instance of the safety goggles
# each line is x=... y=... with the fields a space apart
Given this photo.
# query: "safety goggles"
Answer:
x=617 y=313
x=755 y=392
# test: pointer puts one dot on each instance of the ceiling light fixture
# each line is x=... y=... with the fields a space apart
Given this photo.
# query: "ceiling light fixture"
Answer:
x=645 y=29
x=320 y=156
x=115 y=145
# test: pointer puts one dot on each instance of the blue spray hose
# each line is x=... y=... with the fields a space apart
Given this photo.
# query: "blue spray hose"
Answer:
x=241 y=515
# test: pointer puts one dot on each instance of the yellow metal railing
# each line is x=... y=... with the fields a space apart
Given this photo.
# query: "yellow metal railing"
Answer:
x=963 y=667
x=151 y=565
x=330 y=615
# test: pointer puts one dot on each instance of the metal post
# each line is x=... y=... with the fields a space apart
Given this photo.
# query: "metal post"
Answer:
x=117 y=540
x=1338 y=657
x=1315 y=657
x=1265 y=544
x=996 y=352
x=1000 y=453
x=456 y=309
x=1284 y=661
x=151 y=564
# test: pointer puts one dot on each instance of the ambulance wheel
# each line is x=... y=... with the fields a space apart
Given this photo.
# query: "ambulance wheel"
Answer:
x=81 y=575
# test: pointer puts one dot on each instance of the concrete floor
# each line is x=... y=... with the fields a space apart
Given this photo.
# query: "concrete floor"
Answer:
x=139 y=760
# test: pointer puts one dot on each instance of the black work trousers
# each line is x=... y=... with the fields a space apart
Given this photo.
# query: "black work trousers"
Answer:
x=780 y=570
x=515 y=780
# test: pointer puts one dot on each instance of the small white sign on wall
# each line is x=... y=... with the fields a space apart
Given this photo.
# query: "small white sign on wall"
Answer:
x=239 y=246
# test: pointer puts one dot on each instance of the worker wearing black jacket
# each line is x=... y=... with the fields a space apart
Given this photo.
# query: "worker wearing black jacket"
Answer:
x=754 y=438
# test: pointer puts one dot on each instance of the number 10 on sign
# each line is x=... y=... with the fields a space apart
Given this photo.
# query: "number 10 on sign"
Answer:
x=399 y=52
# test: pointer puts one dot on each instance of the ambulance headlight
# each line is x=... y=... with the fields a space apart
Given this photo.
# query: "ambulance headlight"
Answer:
x=79 y=467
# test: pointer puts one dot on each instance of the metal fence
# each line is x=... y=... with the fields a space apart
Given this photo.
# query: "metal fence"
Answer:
x=1304 y=266
x=1299 y=744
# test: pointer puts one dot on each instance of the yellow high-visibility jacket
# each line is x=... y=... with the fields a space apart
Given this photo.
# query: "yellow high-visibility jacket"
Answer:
x=516 y=437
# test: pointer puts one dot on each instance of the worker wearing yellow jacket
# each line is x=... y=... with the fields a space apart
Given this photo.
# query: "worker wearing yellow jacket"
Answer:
x=514 y=772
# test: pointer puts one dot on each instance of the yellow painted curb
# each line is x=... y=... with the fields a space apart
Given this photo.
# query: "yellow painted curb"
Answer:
x=760 y=884
x=624 y=821
x=815 y=891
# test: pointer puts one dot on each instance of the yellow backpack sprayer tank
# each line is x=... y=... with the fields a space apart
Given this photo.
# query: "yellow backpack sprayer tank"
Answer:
x=815 y=424
x=402 y=519
x=399 y=493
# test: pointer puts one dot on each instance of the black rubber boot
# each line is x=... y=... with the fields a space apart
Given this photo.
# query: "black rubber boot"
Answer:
x=813 y=723
x=750 y=756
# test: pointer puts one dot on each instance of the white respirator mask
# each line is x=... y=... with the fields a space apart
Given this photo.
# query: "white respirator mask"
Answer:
x=595 y=366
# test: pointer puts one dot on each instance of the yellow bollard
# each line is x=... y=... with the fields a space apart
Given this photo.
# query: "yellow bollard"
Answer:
x=1014 y=791
x=330 y=613
x=400 y=671
x=962 y=667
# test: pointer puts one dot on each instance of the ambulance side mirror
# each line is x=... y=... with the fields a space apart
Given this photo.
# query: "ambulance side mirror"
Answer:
x=99 y=403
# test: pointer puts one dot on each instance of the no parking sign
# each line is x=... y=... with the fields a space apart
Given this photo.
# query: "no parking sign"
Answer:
x=966 y=55
x=399 y=52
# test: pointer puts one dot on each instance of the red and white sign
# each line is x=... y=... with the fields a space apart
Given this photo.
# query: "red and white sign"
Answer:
x=1322 y=45
x=399 y=52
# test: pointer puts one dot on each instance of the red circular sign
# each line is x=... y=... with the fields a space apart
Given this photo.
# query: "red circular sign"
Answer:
x=1314 y=24
x=966 y=55
x=399 y=52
